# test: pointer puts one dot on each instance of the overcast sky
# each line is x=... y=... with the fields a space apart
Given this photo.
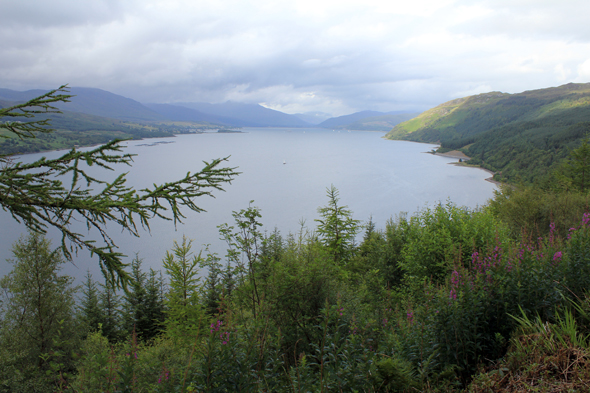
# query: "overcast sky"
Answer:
x=334 y=56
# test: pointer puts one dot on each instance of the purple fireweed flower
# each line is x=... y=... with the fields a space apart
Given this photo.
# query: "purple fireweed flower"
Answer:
x=456 y=279
x=557 y=257
x=453 y=294
x=551 y=233
x=216 y=326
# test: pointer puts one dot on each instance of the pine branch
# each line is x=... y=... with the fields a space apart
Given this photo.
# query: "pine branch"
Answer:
x=35 y=195
x=35 y=106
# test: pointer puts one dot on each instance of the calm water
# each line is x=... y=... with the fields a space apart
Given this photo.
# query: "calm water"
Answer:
x=286 y=173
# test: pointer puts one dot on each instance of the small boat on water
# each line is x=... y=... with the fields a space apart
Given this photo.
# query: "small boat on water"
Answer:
x=284 y=162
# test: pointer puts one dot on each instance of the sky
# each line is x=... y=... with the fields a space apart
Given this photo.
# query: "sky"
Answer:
x=296 y=56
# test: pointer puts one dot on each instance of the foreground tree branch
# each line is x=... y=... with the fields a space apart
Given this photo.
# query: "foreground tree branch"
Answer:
x=35 y=194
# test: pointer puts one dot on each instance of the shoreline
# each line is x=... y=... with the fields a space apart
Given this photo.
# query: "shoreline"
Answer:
x=460 y=155
x=455 y=154
x=84 y=146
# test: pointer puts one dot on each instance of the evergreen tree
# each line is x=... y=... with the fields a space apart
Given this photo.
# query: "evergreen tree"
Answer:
x=337 y=228
x=90 y=311
x=153 y=305
x=228 y=281
x=143 y=307
x=213 y=286
x=37 y=317
x=110 y=307
x=575 y=171
x=184 y=312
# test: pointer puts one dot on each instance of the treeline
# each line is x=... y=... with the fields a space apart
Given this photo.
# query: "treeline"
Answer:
x=524 y=152
x=428 y=303
x=522 y=137
x=64 y=139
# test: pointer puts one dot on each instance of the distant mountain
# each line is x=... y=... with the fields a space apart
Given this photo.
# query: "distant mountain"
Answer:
x=103 y=103
x=313 y=117
x=520 y=136
x=13 y=95
x=380 y=123
x=368 y=120
x=93 y=102
x=341 y=121
x=181 y=113
x=246 y=115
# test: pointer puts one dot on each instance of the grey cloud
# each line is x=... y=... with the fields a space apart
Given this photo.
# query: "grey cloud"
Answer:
x=534 y=20
x=348 y=59
x=58 y=13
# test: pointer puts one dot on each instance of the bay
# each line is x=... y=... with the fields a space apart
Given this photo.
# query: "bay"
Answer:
x=286 y=173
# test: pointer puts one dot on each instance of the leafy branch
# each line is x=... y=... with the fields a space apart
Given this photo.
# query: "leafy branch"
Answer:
x=31 y=108
x=34 y=194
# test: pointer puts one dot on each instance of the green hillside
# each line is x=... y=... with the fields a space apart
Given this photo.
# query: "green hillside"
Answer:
x=80 y=129
x=522 y=137
x=378 y=123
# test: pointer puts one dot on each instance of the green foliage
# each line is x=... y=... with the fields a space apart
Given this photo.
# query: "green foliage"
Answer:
x=144 y=302
x=575 y=171
x=90 y=311
x=531 y=211
x=244 y=243
x=110 y=307
x=36 y=314
x=299 y=285
x=184 y=313
x=336 y=228
x=218 y=285
x=395 y=374
x=440 y=238
x=543 y=355
x=420 y=305
x=158 y=366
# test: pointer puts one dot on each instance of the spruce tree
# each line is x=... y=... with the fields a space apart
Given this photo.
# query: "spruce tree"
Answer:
x=143 y=307
x=184 y=313
x=336 y=228
x=37 y=317
x=110 y=307
x=91 y=316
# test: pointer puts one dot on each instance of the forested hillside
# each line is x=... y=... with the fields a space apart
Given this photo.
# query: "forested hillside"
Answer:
x=523 y=137
x=82 y=129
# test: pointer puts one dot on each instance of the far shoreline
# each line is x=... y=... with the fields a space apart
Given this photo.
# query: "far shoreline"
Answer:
x=462 y=156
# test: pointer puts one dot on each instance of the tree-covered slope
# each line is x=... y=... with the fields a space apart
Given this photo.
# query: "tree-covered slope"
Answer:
x=78 y=129
x=522 y=137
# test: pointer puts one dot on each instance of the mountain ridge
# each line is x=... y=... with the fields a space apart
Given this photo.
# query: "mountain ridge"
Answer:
x=522 y=136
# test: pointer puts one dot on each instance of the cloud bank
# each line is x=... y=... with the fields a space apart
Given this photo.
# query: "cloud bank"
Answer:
x=298 y=55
